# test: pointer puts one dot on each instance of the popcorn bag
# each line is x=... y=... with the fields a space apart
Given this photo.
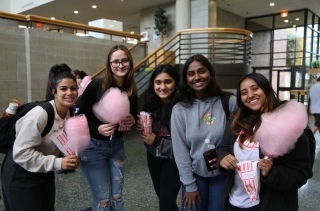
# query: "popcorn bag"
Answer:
x=123 y=127
x=250 y=176
x=146 y=122
x=61 y=140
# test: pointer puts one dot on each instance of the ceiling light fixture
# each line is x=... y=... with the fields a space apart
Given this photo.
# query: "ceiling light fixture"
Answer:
x=94 y=6
x=111 y=26
x=271 y=4
x=297 y=19
x=284 y=14
x=294 y=26
x=114 y=21
x=286 y=21
x=132 y=32
x=52 y=18
x=76 y=12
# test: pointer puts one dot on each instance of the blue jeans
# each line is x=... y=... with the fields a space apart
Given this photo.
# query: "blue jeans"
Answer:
x=103 y=165
x=210 y=189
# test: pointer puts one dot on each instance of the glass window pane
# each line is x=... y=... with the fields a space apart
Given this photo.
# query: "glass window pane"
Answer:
x=310 y=17
x=259 y=24
x=285 y=79
x=315 y=42
x=274 y=81
x=284 y=95
x=316 y=23
x=308 y=39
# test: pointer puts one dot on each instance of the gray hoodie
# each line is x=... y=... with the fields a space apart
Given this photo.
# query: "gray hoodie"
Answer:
x=190 y=126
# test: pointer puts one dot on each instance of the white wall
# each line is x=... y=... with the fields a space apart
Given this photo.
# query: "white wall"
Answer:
x=18 y=6
x=5 y=5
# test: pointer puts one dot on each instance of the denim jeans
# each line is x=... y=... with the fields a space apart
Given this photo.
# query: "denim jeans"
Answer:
x=210 y=189
x=103 y=165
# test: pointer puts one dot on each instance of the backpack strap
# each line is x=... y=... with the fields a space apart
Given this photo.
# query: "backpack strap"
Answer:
x=225 y=103
x=50 y=111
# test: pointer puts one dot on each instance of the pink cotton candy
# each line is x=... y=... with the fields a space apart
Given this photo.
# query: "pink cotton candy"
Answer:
x=112 y=107
x=77 y=131
x=280 y=129
x=84 y=83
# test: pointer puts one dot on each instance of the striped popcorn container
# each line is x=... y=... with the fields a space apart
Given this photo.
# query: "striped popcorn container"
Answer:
x=146 y=122
x=123 y=127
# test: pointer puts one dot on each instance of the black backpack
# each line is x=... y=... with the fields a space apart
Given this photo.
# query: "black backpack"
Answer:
x=225 y=103
x=312 y=149
x=8 y=129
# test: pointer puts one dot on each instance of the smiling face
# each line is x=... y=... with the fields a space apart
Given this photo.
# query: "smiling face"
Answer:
x=66 y=93
x=252 y=96
x=119 y=72
x=198 y=79
x=164 y=87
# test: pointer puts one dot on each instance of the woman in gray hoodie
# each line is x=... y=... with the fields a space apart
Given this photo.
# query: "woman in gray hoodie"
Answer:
x=198 y=116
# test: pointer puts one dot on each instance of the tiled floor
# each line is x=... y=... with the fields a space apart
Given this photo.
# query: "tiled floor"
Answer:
x=73 y=193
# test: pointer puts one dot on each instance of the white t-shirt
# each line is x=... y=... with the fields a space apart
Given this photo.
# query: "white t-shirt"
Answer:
x=238 y=195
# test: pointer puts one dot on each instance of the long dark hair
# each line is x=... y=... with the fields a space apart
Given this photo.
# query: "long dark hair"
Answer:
x=245 y=118
x=129 y=84
x=55 y=69
x=153 y=101
x=58 y=76
x=185 y=92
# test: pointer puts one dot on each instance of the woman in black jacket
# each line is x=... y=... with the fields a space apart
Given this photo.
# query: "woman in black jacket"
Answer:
x=281 y=177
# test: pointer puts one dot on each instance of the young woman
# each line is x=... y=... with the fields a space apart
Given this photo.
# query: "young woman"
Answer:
x=162 y=167
x=28 y=180
x=80 y=74
x=58 y=68
x=198 y=116
x=281 y=177
x=103 y=160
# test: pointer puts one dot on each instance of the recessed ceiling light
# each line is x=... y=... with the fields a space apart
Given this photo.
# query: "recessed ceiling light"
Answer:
x=297 y=19
x=94 y=6
x=52 y=18
x=271 y=4
x=76 y=12
x=132 y=32
x=294 y=26
x=114 y=21
x=111 y=26
x=286 y=21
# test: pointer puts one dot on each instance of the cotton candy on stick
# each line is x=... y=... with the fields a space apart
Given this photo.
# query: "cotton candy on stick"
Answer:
x=77 y=131
x=112 y=107
x=280 y=129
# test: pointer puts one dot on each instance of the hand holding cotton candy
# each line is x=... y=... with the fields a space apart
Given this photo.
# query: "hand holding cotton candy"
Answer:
x=112 y=107
x=84 y=83
x=280 y=130
x=77 y=131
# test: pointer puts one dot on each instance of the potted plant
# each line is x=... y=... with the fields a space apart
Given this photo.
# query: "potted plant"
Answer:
x=162 y=23
x=314 y=67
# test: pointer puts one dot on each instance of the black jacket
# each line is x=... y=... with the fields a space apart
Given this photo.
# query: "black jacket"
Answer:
x=279 y=191
x=90 y=96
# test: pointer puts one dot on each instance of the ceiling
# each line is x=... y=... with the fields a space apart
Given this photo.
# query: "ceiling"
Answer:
x=128 y=11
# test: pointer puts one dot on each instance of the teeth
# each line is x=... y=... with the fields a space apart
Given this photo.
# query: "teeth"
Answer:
x=253 y=101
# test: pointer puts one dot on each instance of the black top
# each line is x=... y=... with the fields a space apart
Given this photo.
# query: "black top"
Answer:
x=279 y=191
x=93 y=94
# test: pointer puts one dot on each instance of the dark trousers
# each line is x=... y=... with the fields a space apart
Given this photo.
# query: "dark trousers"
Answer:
x=230 y=207
x=24 y=190
x=166 y=181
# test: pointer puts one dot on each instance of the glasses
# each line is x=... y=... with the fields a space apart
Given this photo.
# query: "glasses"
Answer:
x=117 y=63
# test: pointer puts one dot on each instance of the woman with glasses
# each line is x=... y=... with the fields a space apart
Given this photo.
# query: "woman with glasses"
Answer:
x=103 y=160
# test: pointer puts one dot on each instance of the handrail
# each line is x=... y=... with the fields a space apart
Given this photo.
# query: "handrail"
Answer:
x=217 y=30
x=135 y=45
x=156 y=51
x=12 y=16
x=57 y=22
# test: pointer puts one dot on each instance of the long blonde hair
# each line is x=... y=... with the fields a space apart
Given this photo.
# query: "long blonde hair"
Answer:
x=108 y=80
